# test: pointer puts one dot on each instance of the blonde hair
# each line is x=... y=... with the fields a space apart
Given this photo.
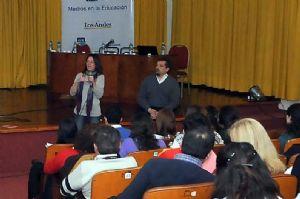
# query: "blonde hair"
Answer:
x=251 y=131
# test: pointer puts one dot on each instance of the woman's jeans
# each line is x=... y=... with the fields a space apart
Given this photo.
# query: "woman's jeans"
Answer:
x=81 y=121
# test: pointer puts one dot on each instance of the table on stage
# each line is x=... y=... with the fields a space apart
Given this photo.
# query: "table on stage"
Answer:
x=123 y=73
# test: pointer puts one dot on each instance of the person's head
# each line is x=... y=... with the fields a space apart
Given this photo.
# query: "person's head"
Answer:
x=113 y=115
x=192 y=109
x=107 y=140
x=143 y=131
x=198 y=142
x=194 y=120
x=84 y=139
x=165 y=122
x=241 y=173
x=251 y=131
x=293 y=118
x=92 y=63
x=228 y=115
x=163 y=66
x=67 y=131
x=212 y=114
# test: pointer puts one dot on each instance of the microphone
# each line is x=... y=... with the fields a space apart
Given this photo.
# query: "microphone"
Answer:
x=109 y=43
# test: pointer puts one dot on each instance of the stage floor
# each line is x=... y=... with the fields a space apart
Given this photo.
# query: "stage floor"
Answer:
x=35 y=105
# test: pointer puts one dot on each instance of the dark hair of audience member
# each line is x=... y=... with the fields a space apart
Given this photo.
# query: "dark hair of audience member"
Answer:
x=212 y=114
x=193 y=109
x=294 y=112
x=107 y=139
x=242 y=174
x=194 y=120
x=169 y=63
x=114 y=114
x=228 y=115
x=143 y=132
x=198 y=142
x=166 y=122
x=84 y=140
x=67 y=131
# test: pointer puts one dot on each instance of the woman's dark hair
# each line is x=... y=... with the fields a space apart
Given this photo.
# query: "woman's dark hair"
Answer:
x=166 y=122
x=67 y=131
x=192 y=109
x=294 y=112
x=98 y=65
x=143 y=132
x=212 y=114
x=85 y=139
x=228 y=115
x=242 y=174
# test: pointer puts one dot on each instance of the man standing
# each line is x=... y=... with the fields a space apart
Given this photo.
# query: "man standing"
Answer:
x=159 y=90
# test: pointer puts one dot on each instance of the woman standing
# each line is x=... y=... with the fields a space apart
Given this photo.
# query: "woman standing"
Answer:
x=88 y=88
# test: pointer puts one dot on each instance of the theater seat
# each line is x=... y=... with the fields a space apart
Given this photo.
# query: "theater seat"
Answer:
x=111 y=183
x=201 y=190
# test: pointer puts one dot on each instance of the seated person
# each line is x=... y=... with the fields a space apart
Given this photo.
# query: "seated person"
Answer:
x=293 y=125
x=106 y=145
x=241 y=173
x=227 y=116
x=185 y=168
x=113 y=117
x=142 y=136
x=159 y=90
x=190 y=122
x=83 y=144
x=165 y=124
x=251 y=131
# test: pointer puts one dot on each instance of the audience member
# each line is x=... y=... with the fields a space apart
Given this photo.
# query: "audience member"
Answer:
x=184 y=169
x=227 y=116
x=242 y=174
x=191 y=122
x=251 y=131
x=142 y=136
x=113 y=117
x=165 y=124
x=212 y=115
x=67 y=131
x=293 y=125
x=106 y=145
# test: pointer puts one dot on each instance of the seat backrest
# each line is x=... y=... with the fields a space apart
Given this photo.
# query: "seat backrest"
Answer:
x=111 y=183
x=201 y=190
x=290 y=143
x=142 y=157
x=181 y=56
x=287 y=185
x=218 y=147
x=292 y=160
x=83 y=48
x=276 y=144
x=52 y=150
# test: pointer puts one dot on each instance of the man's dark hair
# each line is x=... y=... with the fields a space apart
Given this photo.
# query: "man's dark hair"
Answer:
x=169 y=63
x=198 y=142
x=194 y=120
x=107 y=139
x=294 y=112
x=67 y=131
x=114 y=114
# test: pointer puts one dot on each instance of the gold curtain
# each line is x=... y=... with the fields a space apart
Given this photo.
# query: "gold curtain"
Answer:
x=26 y=28
x=150 y=22
x=235 y=44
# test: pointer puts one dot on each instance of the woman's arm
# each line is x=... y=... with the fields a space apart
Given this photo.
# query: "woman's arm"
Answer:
x=98 y=86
